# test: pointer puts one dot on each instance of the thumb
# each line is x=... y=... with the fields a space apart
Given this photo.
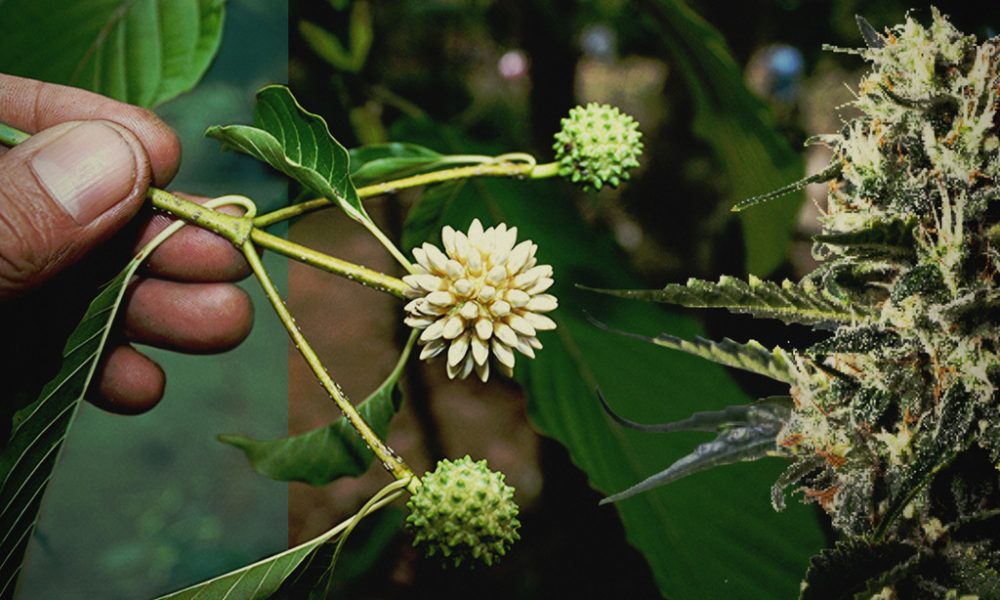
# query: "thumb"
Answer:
x=63 y=192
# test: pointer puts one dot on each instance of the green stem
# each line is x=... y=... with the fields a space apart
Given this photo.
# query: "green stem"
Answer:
x=390 y=460
x=314 y=258
x=501 y=169
x=10 y=136
x=235 y=229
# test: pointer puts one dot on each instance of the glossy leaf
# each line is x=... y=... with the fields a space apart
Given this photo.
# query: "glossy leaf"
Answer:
x=743 y=548
x=322 y=455
x=142 y=52
x=737 y=125
x=39 y=429
x=297 y=143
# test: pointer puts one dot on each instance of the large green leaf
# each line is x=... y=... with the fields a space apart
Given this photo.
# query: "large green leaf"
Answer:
x=143 y=52
x=381 y=162
x=712 y=535
x=322 y=455
x=737 y=125
x=297 y=143
x=39 y=429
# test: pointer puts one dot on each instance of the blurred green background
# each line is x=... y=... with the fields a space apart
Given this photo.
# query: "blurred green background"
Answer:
x=140 y=506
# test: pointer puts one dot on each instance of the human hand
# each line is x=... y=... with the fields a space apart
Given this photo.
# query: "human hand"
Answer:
x=70 y=212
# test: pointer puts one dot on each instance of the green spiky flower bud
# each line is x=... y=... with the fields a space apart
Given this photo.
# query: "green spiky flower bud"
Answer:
x=597 y=145
x=464 y=512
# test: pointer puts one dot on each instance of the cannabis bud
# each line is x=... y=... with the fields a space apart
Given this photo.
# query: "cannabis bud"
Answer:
x=464 y=512
x=597 y=145
x=482 y=295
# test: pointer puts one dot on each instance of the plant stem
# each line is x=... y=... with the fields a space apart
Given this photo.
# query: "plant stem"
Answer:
x=235 y=229
x=390 y=460
x=10 y=136
x=501 y=169
x=313 y=258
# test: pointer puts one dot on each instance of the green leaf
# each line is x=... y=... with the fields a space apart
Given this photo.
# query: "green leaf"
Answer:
x=256 y=581
x=743 y=548
x=39 y=429
x=738 y=127
x=804 y=302
x=142 y=52
x=325 y=454
x=297 y=143
x=381 y=162
x=326 y=46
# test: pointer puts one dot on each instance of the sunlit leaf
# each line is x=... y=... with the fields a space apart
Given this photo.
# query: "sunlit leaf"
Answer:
x=380 y=162
x=142 y=52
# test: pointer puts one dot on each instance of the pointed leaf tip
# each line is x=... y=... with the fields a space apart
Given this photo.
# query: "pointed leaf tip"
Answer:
x=873 y=39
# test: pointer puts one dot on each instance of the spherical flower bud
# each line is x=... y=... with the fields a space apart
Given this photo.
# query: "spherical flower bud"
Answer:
x=597 y=145
x=464 y=513
x=483 y=296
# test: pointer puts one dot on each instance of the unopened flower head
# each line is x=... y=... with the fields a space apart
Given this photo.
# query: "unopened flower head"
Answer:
x=484 y=294
x=597 y=145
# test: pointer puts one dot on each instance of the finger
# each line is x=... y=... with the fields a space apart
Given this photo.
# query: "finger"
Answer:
x=193 y=254
x=189 y=317
x=63 y=192
x=33 y=106
x=128 y=382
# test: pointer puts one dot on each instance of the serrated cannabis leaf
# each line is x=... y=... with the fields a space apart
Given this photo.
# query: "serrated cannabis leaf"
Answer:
x=143 y=52
x=325 y=454
x=840 y=572
x=40 y=428
x=805 y=302
x=297 y=143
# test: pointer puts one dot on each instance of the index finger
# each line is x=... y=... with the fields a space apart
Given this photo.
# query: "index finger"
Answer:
x=33 y=105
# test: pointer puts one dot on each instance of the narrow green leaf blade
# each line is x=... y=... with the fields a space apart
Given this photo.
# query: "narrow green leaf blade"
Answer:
x=325 y=454
x=143 y=52
x=257 y=581
x=40 y=428
x=297 y=143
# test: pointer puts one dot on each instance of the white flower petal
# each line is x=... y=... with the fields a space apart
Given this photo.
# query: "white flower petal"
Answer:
x=539 y=322
x=435 y=258
x=503 y=353
x=441 y=298
x=487 y=293
x=534 y=343
x=453 y=327
x=505 y=333
x=508 y=371
x=525 y=348
x=540 y=286
x=500 y=308
x=432 y=349
x=421 y=257
x=543 y=303
x=496 y=275
x=454 y=269
x=484 y=328
x=517 y=298
x=419 y=322
x=518 y=256
x=480 y=349
x=427 y=282
x=463 y=287
x=475 y=231
x=474 y=261
x=433 y=331
x=521 y=325
x=469 y=311
x=458 y=349
x=483 y=371
x=448 y=240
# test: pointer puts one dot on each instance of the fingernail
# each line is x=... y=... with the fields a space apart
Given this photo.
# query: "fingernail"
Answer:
x=87 y=170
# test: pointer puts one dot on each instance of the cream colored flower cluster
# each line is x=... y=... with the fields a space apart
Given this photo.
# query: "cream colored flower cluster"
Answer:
x=485 y=294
